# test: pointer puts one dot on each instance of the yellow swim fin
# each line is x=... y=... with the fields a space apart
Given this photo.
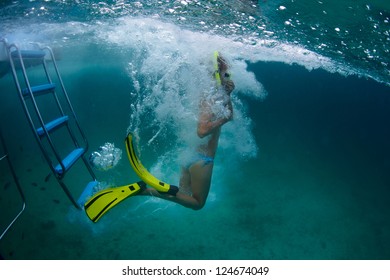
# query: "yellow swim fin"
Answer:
x=143 y=173
x=104 y=200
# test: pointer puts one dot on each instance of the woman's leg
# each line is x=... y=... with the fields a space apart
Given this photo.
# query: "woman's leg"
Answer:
x=201 y=173
x=199 y=177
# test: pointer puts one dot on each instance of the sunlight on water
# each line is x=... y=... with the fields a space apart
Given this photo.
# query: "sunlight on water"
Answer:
x=355 y=34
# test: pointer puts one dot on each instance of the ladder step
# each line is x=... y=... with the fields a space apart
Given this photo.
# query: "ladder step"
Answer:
x=39 y=89
x=88 y=191
x=69 y=160
x=28 y=54
x=53 y=125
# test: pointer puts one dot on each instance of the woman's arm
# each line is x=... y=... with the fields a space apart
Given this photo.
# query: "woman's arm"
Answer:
x=207 y=125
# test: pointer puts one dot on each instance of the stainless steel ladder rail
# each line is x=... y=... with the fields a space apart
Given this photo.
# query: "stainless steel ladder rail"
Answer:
x=50 y=51
x=25 y=108
x=60 y=170
x=5 y=156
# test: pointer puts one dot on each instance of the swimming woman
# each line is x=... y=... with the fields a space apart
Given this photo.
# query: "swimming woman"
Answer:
x=196 y=177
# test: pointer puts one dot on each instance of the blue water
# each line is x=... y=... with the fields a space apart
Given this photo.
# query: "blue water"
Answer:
x=301 y=173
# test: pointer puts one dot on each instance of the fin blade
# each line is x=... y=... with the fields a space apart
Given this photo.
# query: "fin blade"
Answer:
x=143 y=173
x=106 y=199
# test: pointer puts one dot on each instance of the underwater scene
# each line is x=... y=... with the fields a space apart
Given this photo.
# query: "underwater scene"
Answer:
x=301 y=172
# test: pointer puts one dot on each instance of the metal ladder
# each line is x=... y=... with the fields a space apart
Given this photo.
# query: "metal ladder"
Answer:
x=43 y=128
x=4 y=156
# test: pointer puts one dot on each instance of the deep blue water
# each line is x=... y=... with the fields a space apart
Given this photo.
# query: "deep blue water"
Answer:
x=301 y=173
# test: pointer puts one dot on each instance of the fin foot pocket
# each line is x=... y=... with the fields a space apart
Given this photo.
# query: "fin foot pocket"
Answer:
x=172 y=190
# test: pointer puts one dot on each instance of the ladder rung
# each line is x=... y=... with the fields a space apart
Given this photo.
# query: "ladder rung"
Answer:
x=39 y=89
x=52 y=125
x=87 y=192
x=28 y=54
x=69 y=160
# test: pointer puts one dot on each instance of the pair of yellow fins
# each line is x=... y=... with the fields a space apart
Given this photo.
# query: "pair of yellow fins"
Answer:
x=102 y=201
x=97 y=205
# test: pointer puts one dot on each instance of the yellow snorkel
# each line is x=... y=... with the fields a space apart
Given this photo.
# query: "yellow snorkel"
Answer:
x=216 y=68
x=217 y=74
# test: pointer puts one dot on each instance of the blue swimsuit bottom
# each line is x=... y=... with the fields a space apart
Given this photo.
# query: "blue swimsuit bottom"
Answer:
x=200 y=157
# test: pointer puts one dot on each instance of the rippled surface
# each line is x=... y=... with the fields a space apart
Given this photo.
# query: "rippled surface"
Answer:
x=354 y=33
x=225 y=16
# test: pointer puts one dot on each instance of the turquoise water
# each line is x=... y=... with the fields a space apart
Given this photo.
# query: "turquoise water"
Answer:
x=301 y=173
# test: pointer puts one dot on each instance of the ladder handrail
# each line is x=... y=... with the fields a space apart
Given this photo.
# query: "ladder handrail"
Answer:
x=57 y=156
x=6 y=156
x=14 y=54
x=72 y=111
x=66 y=96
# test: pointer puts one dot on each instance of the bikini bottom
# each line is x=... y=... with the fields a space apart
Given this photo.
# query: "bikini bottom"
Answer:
x=200 y=157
